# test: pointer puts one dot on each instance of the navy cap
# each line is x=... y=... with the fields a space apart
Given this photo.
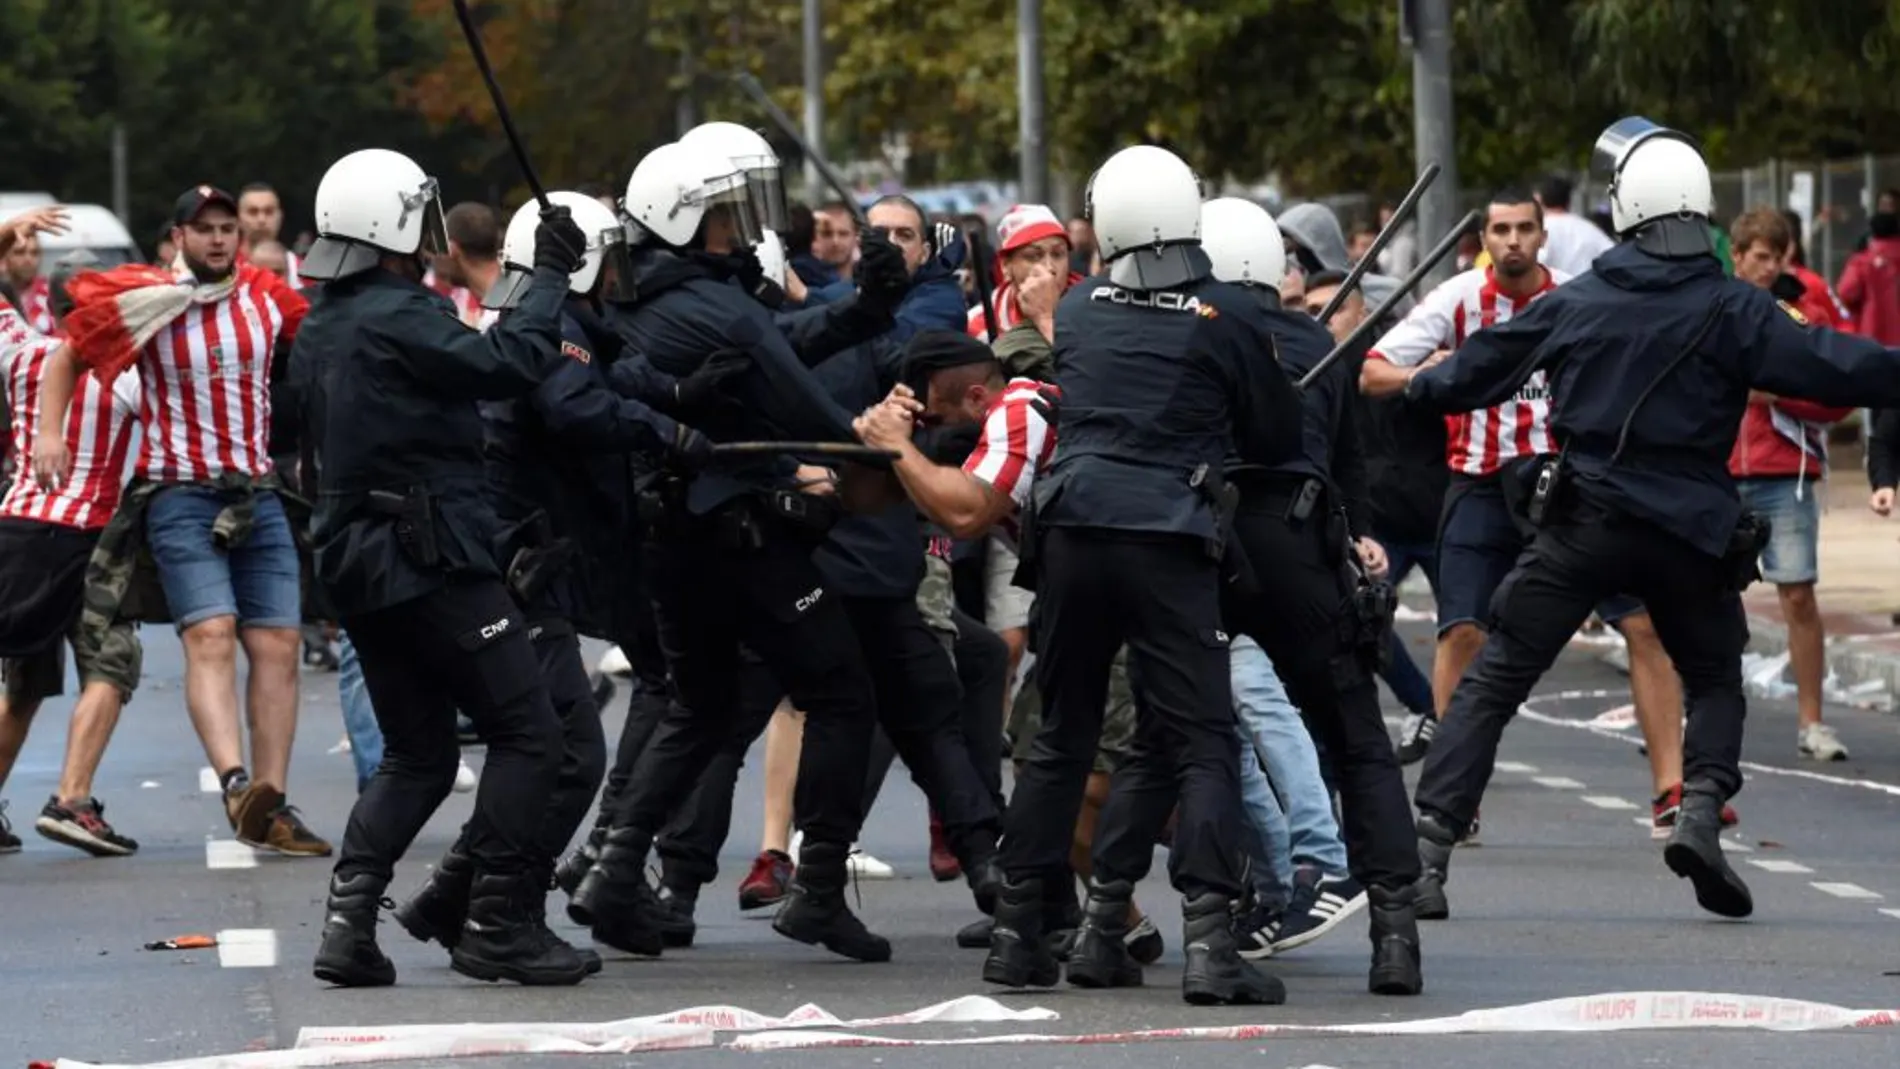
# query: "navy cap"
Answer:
x=195 y=200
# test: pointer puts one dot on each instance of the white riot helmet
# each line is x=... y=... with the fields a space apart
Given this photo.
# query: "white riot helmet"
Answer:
x=1243 y=243
x=1656 y=176
x=598 y=224
x=1145 y=206
x=678 y=185
x=752 y=154
x=771 y=253
x=372 y=203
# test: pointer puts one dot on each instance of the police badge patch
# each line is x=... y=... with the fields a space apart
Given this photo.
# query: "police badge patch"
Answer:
x=1793 y=313
x=575 y=352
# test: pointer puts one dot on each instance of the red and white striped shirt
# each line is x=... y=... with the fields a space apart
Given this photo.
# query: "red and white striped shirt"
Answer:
x=1476 y=443
x=1017 y=443
x=36 y=304
x=206 y=377
x=467 y=305
x=101 y=426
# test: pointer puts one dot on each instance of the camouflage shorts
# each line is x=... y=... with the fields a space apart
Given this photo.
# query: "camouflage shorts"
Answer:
x=1118 y=719
x=935 y=599
x=118 y=658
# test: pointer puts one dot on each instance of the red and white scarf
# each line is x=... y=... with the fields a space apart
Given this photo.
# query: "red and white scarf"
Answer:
x=115 y=312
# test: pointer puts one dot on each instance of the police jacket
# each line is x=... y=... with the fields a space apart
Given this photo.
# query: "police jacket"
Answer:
x=687 y=310
x=567 y=450
x=1659 y=355
x=1158 y=385
x=1329 y=435
x=391 y=378
x=1406 y=476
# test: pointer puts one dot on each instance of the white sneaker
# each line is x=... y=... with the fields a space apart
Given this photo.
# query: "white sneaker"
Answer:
x=866 y=867
x=464 y=778
x=614 y=663
x=1819 y=742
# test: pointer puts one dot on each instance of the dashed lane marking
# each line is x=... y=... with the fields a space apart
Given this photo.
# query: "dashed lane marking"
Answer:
x=1514 y=766
x=208 y=781
x=1605 y=802
x=1557 y=783
x=1846 y=890
x=229 y=854
x=1894 y=913
x=1773 y=864
x=247 y=948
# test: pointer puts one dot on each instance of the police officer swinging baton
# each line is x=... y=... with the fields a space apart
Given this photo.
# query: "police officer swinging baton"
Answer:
x=474 y=36
x=1400 y=216
x=1406 y=285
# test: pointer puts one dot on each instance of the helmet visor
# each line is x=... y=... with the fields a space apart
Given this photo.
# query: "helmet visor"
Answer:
x=730 y=198
x=434 y=239
x=509 y=288
x=765 y=188
x=1615 y=143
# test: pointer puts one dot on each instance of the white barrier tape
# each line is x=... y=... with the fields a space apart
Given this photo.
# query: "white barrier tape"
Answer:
x=967 y=1010
x=1620 y=1012
x=678 y=1030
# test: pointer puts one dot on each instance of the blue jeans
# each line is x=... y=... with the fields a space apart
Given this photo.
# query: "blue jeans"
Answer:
x=1402 y=676
x=256 y=580
x=359 y=716
x=1288 y=804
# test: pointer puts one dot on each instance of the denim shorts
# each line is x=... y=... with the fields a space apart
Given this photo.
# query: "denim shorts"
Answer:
x=256 y=581
x=1478 y=545
x=1792 y=508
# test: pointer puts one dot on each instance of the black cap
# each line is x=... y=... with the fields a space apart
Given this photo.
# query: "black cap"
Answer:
x=196 y=199
x=937 y=350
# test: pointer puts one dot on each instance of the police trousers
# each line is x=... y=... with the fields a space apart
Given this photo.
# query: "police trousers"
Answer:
x=982 y=663
x=1302 y=614
x=1575 y=562
x=710 y=596
x=1160 y=595
x=583 y=742
x=647 y=701
x=461 y=647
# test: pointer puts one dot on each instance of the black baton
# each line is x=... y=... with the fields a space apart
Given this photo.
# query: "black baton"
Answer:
x=501 y=105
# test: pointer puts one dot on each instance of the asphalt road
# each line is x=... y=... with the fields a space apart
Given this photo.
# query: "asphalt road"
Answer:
x=1567 y=896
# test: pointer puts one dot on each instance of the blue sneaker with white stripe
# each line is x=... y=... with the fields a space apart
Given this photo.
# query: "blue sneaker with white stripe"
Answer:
x=1319 y=903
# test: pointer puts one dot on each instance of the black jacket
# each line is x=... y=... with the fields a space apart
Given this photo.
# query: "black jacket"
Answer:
x=1883 y=449
x=1624 y=330
x=1404 y=447
x=390 y=379
x=1157 y=385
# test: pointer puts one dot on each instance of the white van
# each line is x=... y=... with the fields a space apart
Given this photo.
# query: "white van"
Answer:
x=89 y=226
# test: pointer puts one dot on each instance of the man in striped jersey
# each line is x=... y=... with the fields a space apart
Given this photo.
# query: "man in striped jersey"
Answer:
x=204 y=491
x=45 y=540
x=1479 y=536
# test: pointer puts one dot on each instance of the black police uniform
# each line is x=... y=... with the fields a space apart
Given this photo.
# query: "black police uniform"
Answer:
x=1324 y=629
x=730 y=561
x=405 y=538
x=1650 y=362
x=558 y=468
x=1158 y=387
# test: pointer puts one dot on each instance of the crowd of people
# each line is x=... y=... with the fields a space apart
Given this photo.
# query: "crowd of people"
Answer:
x=1118 y=501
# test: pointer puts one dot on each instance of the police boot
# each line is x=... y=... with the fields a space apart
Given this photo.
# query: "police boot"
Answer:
x=1214 y=974
x=615 y=900
x=538 y=908
x=815 y=912
x=1100 y=957
x=1019 y=954
x=573 y=867
x=1395 y=958
x=984 y=877
x=1695 y=853
x=1435 y=841
x=1061 y=916
x=348 y=955
x=678 y=904
x=506 y=937
x=438 y=908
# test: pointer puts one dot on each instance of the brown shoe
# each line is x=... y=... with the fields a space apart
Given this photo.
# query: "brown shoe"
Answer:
x=289 y=835
x=251 y=810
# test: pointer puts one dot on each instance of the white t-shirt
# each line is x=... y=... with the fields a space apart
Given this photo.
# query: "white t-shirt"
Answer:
x=1572 y=243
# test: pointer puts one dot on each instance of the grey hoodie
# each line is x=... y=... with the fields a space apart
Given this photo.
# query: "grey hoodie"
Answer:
x=1317 y=230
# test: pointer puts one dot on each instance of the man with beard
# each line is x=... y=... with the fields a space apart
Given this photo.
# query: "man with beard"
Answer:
x=204 y=493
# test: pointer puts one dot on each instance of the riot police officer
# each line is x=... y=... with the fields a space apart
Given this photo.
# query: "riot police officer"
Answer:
x=1159 y=368
x=1311 y=607
x=1650 y=357
x=404 y=539
x=558 y=470
x=729 y=560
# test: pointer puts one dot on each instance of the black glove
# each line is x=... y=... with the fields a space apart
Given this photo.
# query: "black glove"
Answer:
x=690 y=450
x=558 y=242
x=701 y=390
x=883 y=276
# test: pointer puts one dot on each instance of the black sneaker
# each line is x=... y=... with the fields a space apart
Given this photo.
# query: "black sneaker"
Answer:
x=1319 y=904
x=1415 y=738
x=1144 y=942
x=83 y=825
x=1255 y=931
x=9 y=842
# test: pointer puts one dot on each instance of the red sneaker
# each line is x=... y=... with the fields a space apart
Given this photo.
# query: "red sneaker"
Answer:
x=768 y=882
x=943 y=863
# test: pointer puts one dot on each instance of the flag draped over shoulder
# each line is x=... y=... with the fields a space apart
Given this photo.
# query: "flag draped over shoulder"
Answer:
x=116 y=312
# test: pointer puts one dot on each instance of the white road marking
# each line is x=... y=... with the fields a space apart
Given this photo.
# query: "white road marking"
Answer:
x=150 y=785
x=1846 y=890
x=1557 y=783
x=1514 y=766
x=247 y=948
x=1774 y=864
x=208 y=781
x=1733 y=846
x=1605 y=802
x=229 y=854
x=1894 y=913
